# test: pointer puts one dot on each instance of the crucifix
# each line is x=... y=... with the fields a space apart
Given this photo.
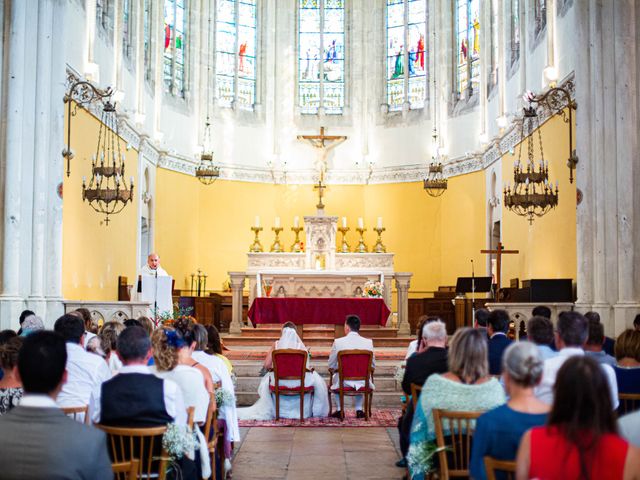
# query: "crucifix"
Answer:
x=499 y=251
x=320 y=187
x=323 y=143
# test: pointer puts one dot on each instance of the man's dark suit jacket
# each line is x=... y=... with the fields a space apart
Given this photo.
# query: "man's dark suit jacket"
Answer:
x=497 y=345
x=38 y=443
x=421 y=365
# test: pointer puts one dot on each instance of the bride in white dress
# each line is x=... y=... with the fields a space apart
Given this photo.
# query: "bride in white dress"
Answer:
x=316 y=405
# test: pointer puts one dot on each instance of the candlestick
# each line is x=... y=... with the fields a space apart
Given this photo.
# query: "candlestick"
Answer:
x=257 y=221
x=362 y=247
x=379 y=247
x=344 y=248
x=344 y=222
x=256 y=246
x=296 y=245
x=360 y=222
x=296 y=222
x=277 y=222
x=379 y=222
x=275 y=246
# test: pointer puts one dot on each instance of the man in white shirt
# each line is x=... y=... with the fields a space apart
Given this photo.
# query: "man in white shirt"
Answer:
x=571 y=336
x=351 y=341
x=86 y=371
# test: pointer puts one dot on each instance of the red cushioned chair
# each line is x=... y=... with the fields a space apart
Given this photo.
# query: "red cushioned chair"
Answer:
x=289 y=364
x=354 y=365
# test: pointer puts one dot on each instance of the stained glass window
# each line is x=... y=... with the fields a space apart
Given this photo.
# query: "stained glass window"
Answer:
x=515 y=31
x=321 y=56
x=540 y=11
x=493 y=79
x=103 y=7
x=127 y=28
x=406 y=53
x=175 y=34
x=146 y=26
x=236 y=53
x=467 y=45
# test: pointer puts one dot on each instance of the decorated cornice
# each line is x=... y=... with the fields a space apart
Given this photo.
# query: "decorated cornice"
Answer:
x=468 y=163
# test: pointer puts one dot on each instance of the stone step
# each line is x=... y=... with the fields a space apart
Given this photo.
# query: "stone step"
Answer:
x=383 y=384
x=233 y=340
x=321 y=331
x=380 y=399
x=319 y=354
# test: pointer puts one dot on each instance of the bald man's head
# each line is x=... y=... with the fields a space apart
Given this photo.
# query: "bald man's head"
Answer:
x=153 y=260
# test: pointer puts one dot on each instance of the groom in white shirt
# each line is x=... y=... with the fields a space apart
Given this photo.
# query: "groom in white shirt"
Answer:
x=351 y=341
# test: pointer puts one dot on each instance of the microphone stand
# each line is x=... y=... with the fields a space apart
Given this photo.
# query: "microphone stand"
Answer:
x=155 y=299
x=473 y=294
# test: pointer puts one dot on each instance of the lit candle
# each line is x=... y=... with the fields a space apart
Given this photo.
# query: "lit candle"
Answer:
x=277 y=222
x=344 y=222
x=296 y=222
x=257 y=222
x=360 y=222
x=379 y=222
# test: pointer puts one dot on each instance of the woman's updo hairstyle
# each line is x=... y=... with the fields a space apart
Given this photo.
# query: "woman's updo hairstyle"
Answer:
x=523 y=363
x=166 y=342
x=186 y=327
x=9 y=353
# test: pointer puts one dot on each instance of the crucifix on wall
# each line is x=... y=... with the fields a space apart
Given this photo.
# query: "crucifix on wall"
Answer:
x=498 y=252
x=323 y=143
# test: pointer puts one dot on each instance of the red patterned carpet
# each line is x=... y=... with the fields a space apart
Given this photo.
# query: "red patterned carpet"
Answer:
x=386 y=417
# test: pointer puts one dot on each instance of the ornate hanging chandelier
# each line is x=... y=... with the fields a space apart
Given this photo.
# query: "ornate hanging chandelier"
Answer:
x=206 y=171
x=532 y=194
x=107 y=191
x=435 y=184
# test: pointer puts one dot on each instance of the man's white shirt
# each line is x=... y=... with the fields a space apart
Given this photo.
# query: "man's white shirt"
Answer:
x=173 y=399
x=351 y=341
x=146 y=270
x=85 y=371
x=544 y=391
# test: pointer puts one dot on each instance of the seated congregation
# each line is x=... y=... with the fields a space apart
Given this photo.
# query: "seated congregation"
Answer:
x=555 y=405
x=551 y=406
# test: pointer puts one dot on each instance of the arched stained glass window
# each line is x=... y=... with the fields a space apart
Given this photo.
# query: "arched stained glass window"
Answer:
x=467 y=45
x=540 y=15
x=406 y=53
x=146 y=26
x=321 y=56
x=236 y=53
x=127 y=29
x=515 y=31
x=175 y=35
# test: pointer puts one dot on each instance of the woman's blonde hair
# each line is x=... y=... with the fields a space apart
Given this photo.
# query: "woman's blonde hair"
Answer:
x=468 y=355
x=109 y=335
x=165 y=356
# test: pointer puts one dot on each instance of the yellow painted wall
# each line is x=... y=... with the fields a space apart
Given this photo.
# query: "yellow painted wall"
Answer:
x=548 y=246
x=208 y=227
x=94 y=254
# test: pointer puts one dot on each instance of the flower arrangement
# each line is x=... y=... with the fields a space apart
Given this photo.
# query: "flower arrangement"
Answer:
x=168 y=317
x=178 y=440
x=373 y=289
x=224 y=397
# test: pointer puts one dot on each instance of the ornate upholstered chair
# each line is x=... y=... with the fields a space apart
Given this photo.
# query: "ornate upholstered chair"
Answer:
x=289 y=364
x=354 y=365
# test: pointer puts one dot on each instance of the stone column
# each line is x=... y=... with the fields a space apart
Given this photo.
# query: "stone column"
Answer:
x=237 y=286
x=403 y=280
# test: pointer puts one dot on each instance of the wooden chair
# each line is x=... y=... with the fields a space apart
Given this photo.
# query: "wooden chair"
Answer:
x=289 y=364
x=190 y=413
x=143 y=444
x=354 y=365
x=126 y=470
x=457 y=442
x=629 y=402
x=415 y=394
x=211 y=431
x=80 y=414
x=491 y=466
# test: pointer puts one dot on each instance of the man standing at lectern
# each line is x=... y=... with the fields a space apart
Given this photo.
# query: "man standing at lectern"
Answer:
x=153 y=267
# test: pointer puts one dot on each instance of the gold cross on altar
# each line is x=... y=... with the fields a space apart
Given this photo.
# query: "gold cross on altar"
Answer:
x=499 y=251
x=320 y=187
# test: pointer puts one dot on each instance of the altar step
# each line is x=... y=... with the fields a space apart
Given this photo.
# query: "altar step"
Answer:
x=318 y=331
x=387 y=394
x=235 y=340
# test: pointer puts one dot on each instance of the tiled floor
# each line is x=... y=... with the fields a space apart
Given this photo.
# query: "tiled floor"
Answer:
x=317 y=453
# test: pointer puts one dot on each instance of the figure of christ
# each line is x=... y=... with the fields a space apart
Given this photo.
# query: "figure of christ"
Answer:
x=242 y=51
x=420 y=58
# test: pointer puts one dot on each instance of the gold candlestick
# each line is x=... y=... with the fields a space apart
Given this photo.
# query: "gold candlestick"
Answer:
x=361 y=248
x=256 y=246
x=379 y=247
x=296 y=245
x=276 y=247
x=344 y=248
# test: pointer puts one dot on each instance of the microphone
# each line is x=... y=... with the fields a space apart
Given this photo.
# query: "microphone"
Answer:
x=472 y=272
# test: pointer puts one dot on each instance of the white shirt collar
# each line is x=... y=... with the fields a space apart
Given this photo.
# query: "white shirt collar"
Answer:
x=75 y=346
x=498 y=333
x=37 y=401
x=570 y=351
x=135 y=369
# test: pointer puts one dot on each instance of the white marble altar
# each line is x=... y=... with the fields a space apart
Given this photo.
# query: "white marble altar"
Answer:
x=111 y=311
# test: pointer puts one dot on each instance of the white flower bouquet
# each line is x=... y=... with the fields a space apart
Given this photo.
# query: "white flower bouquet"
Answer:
x=373 y=289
